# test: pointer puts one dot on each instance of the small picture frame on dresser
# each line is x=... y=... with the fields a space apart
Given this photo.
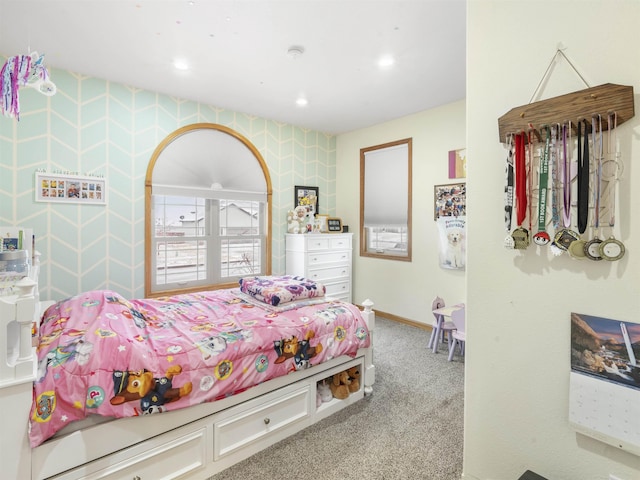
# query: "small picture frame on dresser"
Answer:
x=321 y=222
x=334 y=225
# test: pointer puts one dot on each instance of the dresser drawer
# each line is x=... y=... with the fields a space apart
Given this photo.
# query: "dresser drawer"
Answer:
x=340 y=243
x=319 y=258
x=157 y=459
x=238 y=428
x=326 y=273
x=318 y=243
x=338 y=290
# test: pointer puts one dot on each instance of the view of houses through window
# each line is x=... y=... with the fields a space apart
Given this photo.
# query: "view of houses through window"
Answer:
x=389 y=239
x=202 y=240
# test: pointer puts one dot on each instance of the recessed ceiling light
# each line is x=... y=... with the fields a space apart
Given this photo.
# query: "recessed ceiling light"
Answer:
x=181 y=65
x=301 y=102
x=386 y=61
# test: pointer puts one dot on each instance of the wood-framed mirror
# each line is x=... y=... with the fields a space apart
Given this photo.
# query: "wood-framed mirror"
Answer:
x=207 y=211
x=385 y=200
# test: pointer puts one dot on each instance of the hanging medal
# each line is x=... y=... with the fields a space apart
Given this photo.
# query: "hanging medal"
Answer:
x=542 y=237
x=508 y=194
x=520 y=235
x=554 y=168
x=576 y=247
x=612 y=249
x=592 y=247
x=565 y=236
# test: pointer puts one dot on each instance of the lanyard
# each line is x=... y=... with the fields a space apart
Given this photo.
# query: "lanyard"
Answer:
x=554 y=167
x=520 y=235
x=612 y=249
x=583 y=178
x=566 y=177
x=508 y=188
x=521 y=179
x=542 y=237
x=597 y=150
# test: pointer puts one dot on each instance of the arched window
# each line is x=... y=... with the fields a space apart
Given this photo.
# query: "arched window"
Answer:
x=207 y=211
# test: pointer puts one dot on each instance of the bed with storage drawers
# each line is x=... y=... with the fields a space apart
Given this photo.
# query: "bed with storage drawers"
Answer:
x=246 y=378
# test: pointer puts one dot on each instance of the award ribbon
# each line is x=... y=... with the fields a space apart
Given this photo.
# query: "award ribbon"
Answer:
x=583 y=178
x=565 y=236
x=591 y=248
x=542 y=237
x=555 y=169
x=508 y=193
x=612 y=249
x=520 y=235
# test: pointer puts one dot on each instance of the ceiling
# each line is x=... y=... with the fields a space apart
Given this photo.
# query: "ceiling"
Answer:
x=238 y=58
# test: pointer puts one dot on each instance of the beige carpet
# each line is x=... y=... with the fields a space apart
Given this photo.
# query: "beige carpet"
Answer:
x=410 y=428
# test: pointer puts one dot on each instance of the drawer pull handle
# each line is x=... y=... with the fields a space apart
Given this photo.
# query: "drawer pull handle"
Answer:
x=315 y=259
x=267 y=421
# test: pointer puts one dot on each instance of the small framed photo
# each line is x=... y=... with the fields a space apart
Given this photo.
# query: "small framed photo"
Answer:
x=321 y=223
x=450 y=200
x=334 y=225
x=307 y=197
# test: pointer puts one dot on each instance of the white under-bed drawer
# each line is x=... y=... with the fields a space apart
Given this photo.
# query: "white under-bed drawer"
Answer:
x=165 y=457
x=261 y=421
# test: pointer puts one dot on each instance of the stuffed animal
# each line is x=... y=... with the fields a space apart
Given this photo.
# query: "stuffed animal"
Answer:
x=324 y=391
x=297 y=220
x=340 y=385
x=354 y=379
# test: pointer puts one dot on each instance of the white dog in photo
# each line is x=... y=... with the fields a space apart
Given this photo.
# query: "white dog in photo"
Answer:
x=454 y=251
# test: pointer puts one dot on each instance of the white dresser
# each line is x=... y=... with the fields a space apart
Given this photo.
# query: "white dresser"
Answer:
x=323 y=257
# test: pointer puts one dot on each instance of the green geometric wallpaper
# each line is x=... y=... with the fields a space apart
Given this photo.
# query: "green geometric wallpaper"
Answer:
x=98 y=127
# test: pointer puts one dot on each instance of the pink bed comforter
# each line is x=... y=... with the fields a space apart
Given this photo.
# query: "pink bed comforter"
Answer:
x=101 y=354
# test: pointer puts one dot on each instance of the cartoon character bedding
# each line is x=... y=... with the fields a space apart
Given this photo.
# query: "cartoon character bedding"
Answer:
x=99 y=353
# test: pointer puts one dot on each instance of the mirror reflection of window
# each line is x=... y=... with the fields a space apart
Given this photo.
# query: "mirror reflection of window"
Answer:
x=385 y=200
x=208 y=205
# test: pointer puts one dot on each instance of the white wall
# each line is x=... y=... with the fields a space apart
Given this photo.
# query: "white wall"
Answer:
x=518 y=361
x=405 y=289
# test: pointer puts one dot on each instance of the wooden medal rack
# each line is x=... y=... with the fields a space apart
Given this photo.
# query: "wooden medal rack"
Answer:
x=577 y=106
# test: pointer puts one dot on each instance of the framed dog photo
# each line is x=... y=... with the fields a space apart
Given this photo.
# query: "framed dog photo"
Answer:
x=450 y=200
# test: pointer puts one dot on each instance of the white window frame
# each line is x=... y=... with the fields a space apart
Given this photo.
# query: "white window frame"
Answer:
x=213 y=238
x=215 y=163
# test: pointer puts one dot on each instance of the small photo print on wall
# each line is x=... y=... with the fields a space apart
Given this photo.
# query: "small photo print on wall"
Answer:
x=451 y=239
x=62 y=188
x=458 y=163
x=450 y=200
